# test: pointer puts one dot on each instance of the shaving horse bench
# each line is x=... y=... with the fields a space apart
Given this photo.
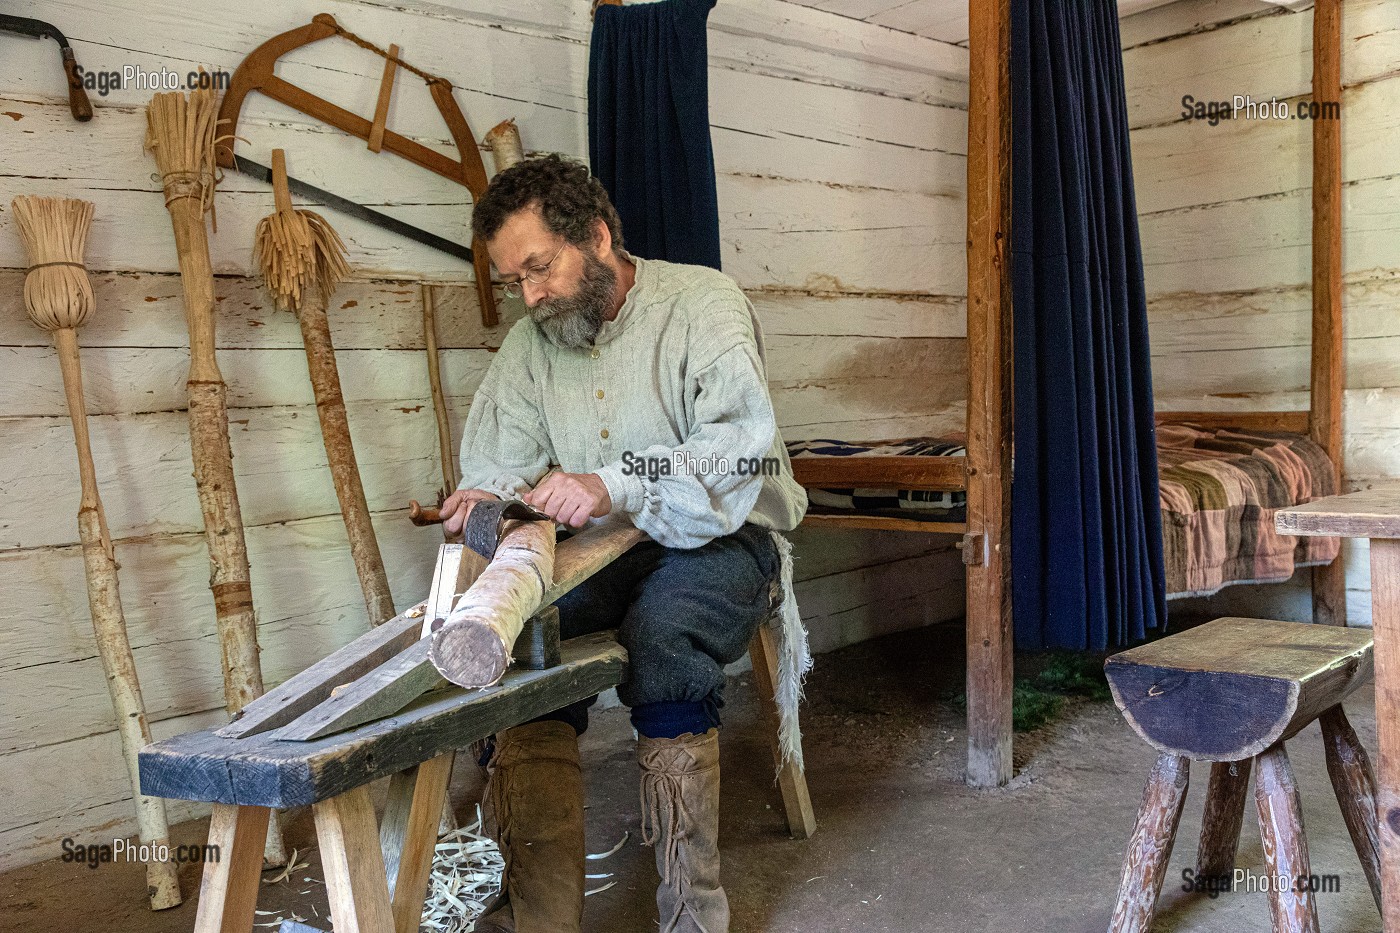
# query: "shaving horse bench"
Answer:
x=1231 y=692
x=379 y=708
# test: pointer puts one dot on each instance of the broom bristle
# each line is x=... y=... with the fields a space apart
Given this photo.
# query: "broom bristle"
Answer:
x=180 y=134
x=57 y=291
x=299 y=250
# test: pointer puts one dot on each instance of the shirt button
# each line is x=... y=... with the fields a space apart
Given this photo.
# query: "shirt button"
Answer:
x=603 y=434
x=600 y=393
x=594 y=354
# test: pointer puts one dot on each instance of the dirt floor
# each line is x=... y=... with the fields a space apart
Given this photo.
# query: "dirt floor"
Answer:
x=902 y=844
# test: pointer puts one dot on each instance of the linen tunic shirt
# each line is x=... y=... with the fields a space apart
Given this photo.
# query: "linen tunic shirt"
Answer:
x=677 y=378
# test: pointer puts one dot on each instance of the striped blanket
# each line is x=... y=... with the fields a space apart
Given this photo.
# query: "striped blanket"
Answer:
x=1220 y=488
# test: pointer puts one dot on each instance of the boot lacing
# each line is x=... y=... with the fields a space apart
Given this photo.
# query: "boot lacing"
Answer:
x=663 y=771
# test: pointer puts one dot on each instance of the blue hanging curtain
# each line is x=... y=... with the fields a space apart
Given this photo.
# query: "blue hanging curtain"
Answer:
x=649 y=127
x=1086 y=526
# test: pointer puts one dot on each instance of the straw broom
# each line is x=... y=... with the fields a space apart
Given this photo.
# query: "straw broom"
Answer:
x=59 y=299
x=302 y=261
x=180 y=135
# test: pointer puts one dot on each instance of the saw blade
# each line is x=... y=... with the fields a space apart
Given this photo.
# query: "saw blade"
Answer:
x=346 y=206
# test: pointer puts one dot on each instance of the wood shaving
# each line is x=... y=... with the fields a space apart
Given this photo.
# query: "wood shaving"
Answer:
x=466 y=877
x=598 y=856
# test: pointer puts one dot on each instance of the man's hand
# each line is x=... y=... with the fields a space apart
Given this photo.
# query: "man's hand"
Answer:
x=571 y=498
x=456 y=507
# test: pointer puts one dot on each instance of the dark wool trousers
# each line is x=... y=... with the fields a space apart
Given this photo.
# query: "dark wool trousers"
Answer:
x=682 y=615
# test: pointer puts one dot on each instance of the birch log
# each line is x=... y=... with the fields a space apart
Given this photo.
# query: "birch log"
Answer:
x=504 y=141
x=180 y=135
x=473 y=647
x=109 y=628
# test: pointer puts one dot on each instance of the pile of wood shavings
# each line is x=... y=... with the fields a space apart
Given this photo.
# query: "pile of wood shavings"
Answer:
x=466 y=877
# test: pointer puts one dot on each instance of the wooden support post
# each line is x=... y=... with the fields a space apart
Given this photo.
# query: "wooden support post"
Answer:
x=1328 y=382
x=1292 y=907
x=354 y=868
x=1150 y=847
x=1354 y=783
x=408 y=836
x=229 y=892
x=1223 y=817
x=1385 y=622
x=989 y=658
x=792 y=780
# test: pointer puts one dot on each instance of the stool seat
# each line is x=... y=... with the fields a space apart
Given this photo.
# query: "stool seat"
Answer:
x=1232 y=692
x=1229 y=689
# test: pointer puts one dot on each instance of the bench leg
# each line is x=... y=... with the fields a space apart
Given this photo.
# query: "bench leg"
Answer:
x=1150 y=847
x=1285 y=845
x=1354 y=783
x=408 y=836
x=354 y=868
x=797 y=803
x=1223 y=817
x=229 y=892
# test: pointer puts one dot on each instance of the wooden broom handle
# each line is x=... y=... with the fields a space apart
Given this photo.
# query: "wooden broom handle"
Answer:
x=109 y=629
x=280 y=192
x=66 y=342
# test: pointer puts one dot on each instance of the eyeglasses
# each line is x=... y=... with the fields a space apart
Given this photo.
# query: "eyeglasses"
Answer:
x=535 y=275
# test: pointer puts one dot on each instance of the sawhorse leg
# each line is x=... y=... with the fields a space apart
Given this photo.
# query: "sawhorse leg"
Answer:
x=361 y=865
x=354 y=868
x=763 y=651
x=229 y=892
x=408 y=836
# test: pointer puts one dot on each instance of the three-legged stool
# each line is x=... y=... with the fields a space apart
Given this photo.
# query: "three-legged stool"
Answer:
x=1231 y=692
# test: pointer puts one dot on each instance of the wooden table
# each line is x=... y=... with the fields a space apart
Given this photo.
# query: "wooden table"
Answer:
x=1373 y=514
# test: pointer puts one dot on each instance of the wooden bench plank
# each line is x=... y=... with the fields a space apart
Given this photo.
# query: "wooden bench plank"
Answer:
x=303 y=691
x=264 y=771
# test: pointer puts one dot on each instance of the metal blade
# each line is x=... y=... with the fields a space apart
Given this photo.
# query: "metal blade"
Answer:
x=33 y=28
x=346 y=206
x=488 y=518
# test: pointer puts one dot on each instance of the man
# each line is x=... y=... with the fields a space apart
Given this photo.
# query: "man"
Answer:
x=613 y=400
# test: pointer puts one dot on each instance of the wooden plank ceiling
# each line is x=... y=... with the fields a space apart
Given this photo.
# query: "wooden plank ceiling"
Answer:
x=945 y=20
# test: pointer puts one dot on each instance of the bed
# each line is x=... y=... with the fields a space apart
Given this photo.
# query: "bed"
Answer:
x=1220 y=486
x=979 y=474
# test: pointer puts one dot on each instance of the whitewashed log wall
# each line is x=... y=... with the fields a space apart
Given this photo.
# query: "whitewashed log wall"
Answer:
x=1225 y=215
x=840 y=152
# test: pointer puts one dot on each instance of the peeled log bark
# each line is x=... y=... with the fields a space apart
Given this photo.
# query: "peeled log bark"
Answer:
x=473 y=648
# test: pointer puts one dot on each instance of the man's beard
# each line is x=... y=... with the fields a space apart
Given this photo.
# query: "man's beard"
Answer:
x=574 y=321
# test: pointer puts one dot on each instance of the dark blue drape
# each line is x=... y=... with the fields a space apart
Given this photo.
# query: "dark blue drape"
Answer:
x=649 y=127
x=1086 y=536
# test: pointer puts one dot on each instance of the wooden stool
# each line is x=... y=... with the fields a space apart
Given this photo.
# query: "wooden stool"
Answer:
x=1231 y=692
